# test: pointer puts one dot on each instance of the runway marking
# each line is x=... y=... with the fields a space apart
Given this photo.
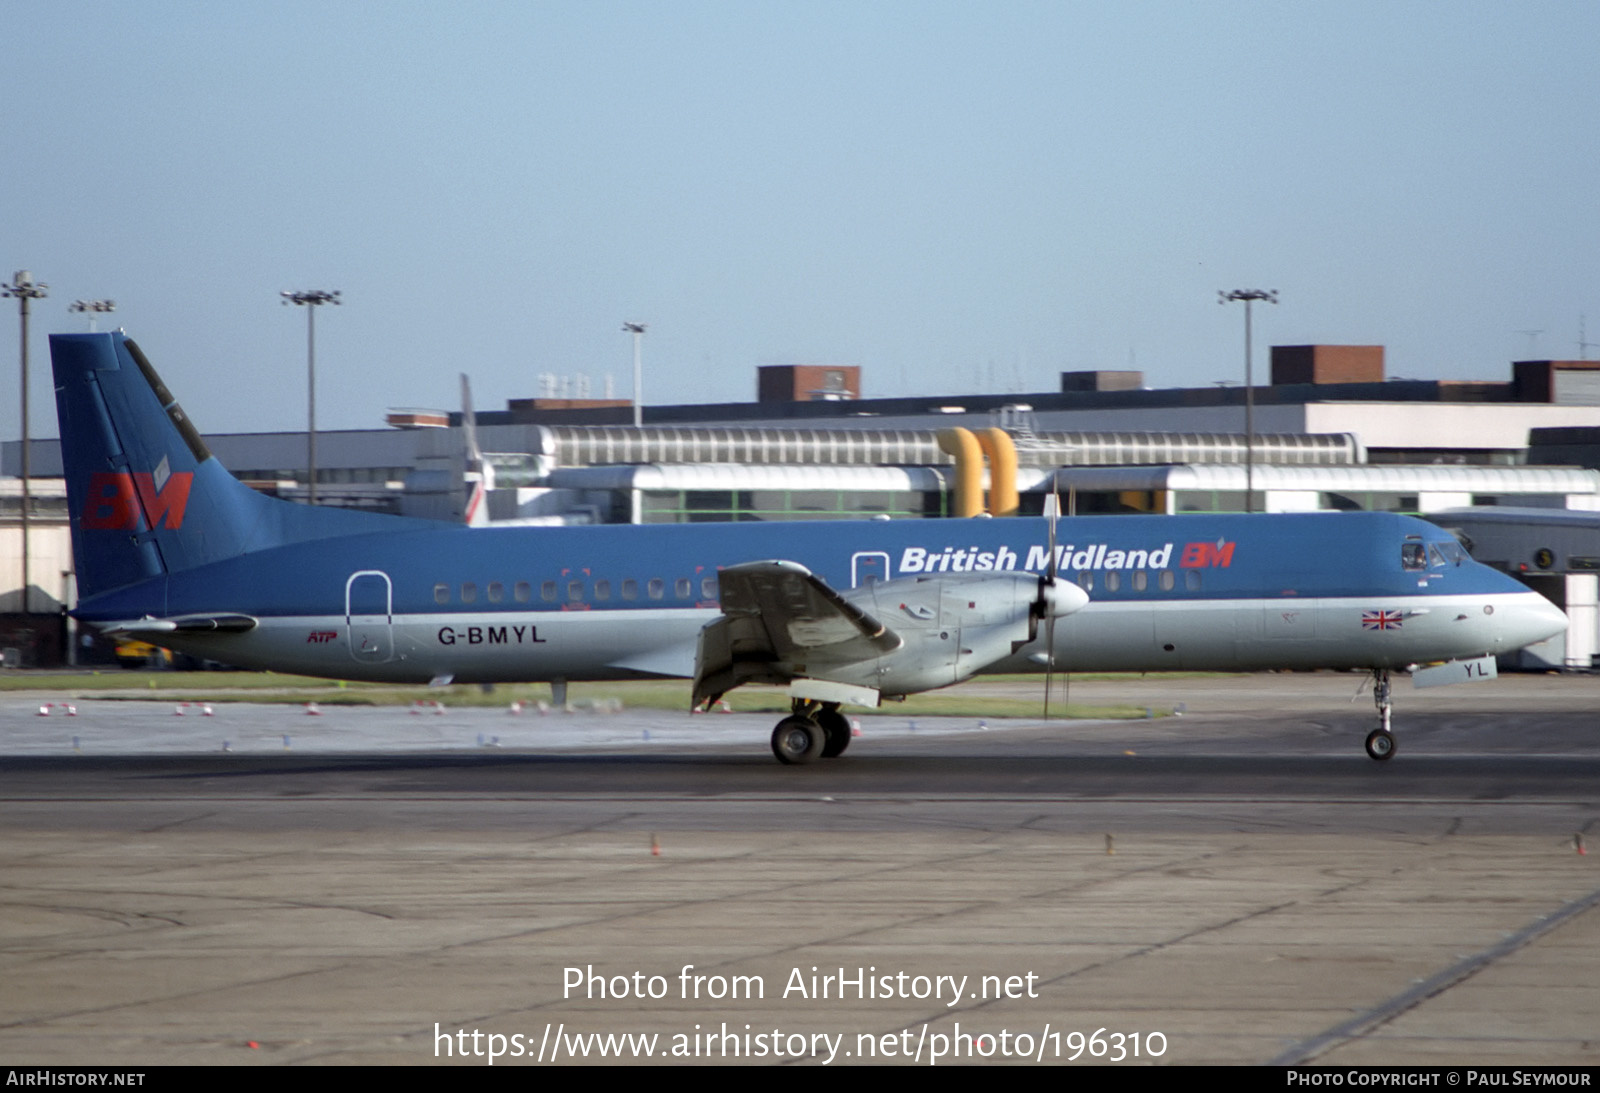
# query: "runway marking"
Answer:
x=1386 y=1011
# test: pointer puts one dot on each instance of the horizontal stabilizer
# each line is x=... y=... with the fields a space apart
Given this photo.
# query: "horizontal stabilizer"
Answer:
x=183 y=624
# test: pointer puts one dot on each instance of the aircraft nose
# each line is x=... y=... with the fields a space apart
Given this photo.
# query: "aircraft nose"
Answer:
x=1525 y=619
x=1064 y=597
x=1540 y=619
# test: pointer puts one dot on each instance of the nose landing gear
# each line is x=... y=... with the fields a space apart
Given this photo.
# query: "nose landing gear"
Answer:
x=1380 y=741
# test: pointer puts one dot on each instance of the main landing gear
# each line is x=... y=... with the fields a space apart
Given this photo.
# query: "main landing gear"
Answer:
x=1380 y=741
x=814 y=730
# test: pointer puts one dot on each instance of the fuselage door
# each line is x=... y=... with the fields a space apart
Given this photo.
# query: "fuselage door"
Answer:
x=369 y=616
x=868 y=567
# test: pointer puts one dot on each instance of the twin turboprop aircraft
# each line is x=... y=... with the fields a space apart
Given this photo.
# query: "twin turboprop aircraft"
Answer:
x=171 y=547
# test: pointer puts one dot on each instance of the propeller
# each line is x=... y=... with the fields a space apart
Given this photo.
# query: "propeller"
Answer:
x=1066 y=677
x=1047 y=585
x=1056 y=597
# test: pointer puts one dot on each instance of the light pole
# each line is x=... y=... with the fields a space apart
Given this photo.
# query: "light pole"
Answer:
x=92 y=308
x=637 y=330
x=1249 y=296
x=311 y=300
x=24 y=288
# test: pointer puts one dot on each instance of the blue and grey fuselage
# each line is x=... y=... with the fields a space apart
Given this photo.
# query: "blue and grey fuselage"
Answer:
x=167 y=540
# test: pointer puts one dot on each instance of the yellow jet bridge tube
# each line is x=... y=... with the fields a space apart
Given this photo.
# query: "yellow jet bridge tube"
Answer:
x=970 y=451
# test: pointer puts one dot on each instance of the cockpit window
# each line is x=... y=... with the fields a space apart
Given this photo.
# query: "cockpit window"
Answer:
x=1413 y=555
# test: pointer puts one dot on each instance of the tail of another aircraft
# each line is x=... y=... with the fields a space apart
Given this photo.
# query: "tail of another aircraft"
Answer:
x=146 y=496
x=480 y=474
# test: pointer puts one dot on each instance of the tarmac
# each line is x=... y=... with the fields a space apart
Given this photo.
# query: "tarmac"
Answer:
x=1235 y=885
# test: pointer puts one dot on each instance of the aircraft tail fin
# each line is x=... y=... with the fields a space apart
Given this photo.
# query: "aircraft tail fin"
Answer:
x=479 y=478
x=146 y=496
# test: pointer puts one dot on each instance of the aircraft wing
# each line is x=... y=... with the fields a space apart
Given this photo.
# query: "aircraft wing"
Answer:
x=778 y=618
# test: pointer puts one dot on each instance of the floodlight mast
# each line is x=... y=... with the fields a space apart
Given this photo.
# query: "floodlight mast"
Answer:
x=637 y=330
x=311 y=299
x=94 y=309
x=1249 y=296
x=24 y=288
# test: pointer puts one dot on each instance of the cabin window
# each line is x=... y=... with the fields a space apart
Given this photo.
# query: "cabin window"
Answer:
x=1191 y=580
x=441 y=593
x=497 y=591
x=657 y=587
x=708 y=588
x=574 y=591
x=630 y=589
x=523 y=591
x=547 y=591
x=1141 y=580
x=1113 y=581
x=1086 y=580
x=681 y=587
x=1168 y=581
x=469 y=592
x=602 y=590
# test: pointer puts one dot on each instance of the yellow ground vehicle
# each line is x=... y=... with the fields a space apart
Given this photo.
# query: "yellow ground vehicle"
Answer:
x=132 y=653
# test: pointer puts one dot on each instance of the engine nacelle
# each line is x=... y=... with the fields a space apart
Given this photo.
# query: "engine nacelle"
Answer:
x=952 y=626
x=781 y=624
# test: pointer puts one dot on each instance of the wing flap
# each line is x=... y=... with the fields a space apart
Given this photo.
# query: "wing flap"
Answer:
x=777 y=619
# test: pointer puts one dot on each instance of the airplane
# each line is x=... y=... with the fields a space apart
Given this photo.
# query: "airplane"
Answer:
x=171 y=548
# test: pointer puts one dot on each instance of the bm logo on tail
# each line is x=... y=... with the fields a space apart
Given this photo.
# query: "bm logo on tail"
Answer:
x=136 y=501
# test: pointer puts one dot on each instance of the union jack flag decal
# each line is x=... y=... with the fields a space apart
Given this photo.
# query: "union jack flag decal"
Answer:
x=1381 y=620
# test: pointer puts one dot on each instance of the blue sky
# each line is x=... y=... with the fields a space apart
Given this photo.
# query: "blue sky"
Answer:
x=954 y=196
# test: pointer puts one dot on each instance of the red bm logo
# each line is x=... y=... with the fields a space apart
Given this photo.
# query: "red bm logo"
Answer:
x=119 y=501
x=1217 y=555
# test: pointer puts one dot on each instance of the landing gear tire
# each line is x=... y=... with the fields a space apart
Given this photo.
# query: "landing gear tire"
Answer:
x=836 y=733
x=798 y=740
x=1380 y=744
